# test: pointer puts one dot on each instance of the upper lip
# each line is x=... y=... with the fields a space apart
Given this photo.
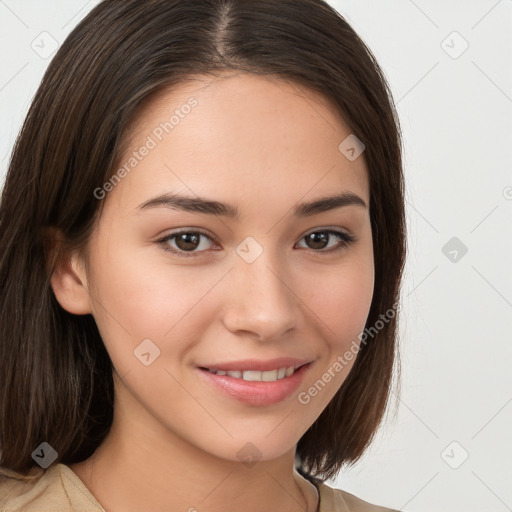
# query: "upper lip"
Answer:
x=256 y=365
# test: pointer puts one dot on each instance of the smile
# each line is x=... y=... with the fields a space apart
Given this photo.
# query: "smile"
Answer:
x=256 y=387
x=254 y=375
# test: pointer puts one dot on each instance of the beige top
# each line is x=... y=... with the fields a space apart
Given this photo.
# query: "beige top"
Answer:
x=58 y=489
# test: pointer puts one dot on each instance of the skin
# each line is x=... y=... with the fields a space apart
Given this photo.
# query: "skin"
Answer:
x=262 y=145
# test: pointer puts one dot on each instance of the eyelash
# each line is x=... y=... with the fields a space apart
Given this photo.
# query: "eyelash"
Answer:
x=346 y=240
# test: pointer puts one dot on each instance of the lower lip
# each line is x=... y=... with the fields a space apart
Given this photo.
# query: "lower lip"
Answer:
x=257 y=392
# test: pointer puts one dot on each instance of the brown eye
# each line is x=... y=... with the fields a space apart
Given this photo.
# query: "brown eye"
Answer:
x=184 y=242
x=188 y=243
x=319 y=240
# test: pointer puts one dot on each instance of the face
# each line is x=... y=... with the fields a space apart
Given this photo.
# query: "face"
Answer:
x=175 y=290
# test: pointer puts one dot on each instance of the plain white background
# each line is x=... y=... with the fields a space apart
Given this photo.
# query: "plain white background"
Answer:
x=449 y=66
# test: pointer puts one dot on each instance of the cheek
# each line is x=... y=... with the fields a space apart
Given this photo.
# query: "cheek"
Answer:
x=143 y=297
x=340 y=298
x=341 y=306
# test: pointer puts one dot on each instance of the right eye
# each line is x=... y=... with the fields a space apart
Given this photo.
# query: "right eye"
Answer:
x=186 y=242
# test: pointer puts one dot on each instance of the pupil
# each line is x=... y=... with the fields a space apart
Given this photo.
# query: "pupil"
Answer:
x=316 y=236
x=186 y=237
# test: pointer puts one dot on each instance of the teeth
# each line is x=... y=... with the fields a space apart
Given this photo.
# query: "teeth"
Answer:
x=269 y=376
x=252 y=375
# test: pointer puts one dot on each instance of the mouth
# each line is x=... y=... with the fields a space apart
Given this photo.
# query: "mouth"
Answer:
x=258 y=376
x=255 y=387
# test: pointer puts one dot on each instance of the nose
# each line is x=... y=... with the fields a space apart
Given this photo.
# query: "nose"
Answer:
x=260 y=299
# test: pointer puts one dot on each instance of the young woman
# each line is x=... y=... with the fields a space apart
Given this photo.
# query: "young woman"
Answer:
x=202 y=241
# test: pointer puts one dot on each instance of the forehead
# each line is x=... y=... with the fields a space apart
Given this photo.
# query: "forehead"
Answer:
x=235 y=137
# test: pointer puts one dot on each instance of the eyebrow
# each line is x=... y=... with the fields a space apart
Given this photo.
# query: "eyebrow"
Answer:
x=211 y=207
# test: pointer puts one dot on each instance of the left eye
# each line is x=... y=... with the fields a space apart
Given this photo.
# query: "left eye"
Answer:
x=187 y=241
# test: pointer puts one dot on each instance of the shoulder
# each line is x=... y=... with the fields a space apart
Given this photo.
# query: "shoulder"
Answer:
x=336 y=500
x=56 y=488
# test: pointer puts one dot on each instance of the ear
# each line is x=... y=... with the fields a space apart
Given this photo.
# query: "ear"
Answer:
x=68 y=278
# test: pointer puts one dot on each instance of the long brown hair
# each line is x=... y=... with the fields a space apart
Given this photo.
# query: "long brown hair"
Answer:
x=56 y=380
